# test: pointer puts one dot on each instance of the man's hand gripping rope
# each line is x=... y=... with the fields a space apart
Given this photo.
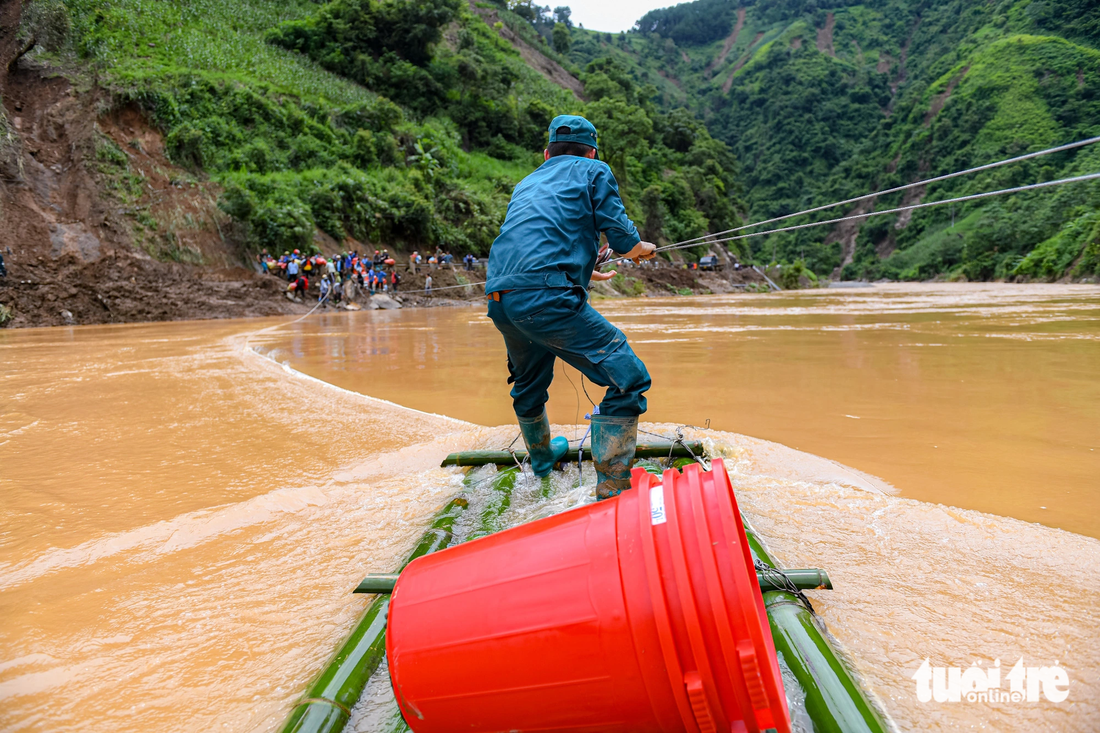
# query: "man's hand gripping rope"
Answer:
x=641 y=251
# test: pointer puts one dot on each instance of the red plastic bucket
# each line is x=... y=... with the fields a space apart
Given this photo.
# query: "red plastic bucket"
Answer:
x=640 y=613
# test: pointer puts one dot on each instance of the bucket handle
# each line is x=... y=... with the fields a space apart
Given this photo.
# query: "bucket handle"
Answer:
x=700 y=683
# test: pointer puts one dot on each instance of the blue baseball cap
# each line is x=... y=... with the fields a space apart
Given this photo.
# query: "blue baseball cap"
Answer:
x=577 y=130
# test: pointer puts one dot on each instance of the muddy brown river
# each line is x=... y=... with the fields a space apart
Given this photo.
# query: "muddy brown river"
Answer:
x=186 y=506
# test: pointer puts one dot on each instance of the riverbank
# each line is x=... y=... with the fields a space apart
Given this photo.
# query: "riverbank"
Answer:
x=48 y=284
x=98 y=225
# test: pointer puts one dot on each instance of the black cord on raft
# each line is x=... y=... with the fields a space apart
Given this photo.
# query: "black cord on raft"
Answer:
x=779 y=579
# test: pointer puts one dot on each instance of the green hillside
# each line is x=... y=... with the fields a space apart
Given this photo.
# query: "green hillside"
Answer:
x=407 y=122
x=821 y=101
x=403 y=123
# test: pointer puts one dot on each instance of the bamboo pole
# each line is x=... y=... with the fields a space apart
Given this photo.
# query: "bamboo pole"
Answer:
x=507 y=458
x=326 y=706
x=835 y=701
x=503 y=485
x=377 y=583
x=803 y=579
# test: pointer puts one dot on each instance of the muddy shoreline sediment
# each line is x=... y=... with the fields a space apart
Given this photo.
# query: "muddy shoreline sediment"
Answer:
x=126 y=287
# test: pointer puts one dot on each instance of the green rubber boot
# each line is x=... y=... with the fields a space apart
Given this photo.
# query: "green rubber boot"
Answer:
x=542 y=451
x=613 y=443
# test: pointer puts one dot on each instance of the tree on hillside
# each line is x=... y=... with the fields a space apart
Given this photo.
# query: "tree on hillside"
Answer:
x=406 y=29
x=1076 y=19
x=561 y=15
x=695 y=23
x=607 y=77
x=526 y=10
x=561 y=38
x=624 y=128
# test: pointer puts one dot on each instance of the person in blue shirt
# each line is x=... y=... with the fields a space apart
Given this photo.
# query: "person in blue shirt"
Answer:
x=539 y=271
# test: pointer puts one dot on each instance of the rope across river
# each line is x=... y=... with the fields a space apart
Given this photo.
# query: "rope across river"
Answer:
x=906 y=187
x=718 y=238
x=884 y=212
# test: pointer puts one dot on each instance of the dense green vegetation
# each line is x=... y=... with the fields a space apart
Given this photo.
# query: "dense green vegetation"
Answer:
x=693 y=23
x=389 y=47
x=822 y=100
x=298 y=146
x=396 y=122
x=408 y=122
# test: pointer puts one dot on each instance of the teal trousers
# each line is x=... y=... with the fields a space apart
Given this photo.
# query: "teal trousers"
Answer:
x=540 y=326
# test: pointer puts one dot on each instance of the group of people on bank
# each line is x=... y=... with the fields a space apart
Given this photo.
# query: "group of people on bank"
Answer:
x=337 y=278
x=439 y=259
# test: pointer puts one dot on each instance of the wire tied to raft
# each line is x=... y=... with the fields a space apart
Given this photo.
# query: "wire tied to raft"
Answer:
x=595 y=411
x=518 y=464
x=779 y=579
x=580 y=452
x=680 y=440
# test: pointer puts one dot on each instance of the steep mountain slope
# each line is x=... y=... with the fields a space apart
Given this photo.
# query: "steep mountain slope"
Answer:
x=822 y=101
x=296 y=146
x=96 y=225
x=406 y=123
x=398 y=123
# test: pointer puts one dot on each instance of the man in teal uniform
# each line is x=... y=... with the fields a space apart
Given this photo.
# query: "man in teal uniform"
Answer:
x=539 y=271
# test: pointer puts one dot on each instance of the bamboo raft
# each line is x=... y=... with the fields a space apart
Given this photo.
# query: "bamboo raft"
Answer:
x=835 y=702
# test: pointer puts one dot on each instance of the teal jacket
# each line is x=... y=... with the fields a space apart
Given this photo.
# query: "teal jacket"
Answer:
x=551 y=235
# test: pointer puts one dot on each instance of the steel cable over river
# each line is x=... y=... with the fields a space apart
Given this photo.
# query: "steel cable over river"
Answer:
x=185 y=518
x=885 y=212
x=899 y=189
x=718 y=238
